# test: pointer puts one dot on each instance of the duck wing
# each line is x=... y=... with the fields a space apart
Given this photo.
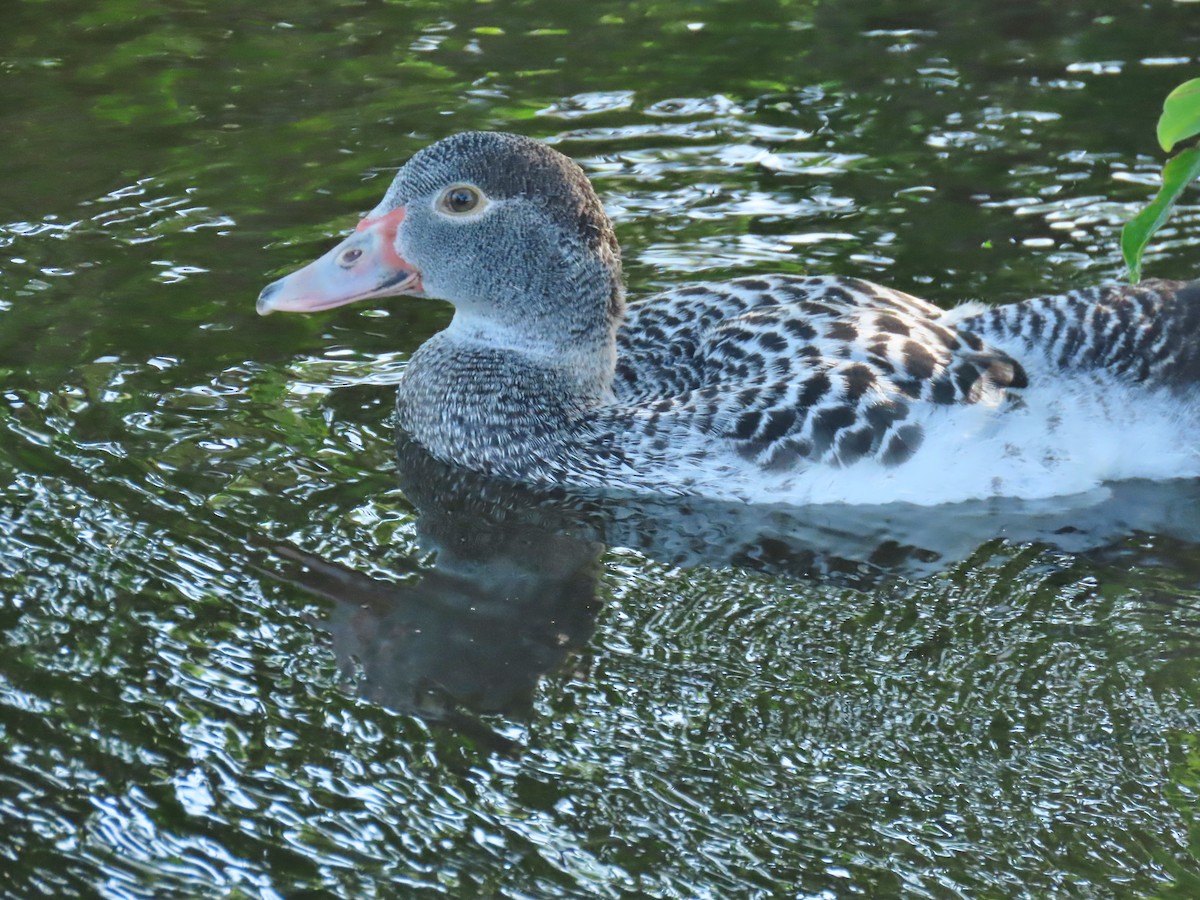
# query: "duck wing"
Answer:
x=795 y=370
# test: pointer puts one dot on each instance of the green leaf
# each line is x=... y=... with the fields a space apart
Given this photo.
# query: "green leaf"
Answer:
x=1178 y=173
x=1180 y=117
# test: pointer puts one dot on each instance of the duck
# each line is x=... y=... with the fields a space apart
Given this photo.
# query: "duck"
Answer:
x=775 y=389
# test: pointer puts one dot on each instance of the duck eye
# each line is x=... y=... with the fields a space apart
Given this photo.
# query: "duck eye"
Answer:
x=461 y=199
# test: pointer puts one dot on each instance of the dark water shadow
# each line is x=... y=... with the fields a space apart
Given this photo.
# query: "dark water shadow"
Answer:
x=514 y=586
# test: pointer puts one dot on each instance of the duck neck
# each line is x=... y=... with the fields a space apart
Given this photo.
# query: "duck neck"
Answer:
x=583 y=366
x=572 y=339
x=499 y=406
x=497 y=395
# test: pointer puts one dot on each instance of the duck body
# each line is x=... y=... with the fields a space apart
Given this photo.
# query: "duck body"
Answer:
x=777 y=389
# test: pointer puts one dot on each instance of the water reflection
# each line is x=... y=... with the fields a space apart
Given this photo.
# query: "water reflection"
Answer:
x=510 y=595
x=514 y=586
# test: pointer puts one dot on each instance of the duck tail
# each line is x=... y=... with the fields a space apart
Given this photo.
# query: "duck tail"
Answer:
x=1148 y=333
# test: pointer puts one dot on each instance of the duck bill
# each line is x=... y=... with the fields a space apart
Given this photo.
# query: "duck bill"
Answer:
x=363 y=266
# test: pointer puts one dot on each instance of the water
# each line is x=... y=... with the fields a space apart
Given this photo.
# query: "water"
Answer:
x=249 y=651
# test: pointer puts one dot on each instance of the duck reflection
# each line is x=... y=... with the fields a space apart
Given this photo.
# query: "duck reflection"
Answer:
x=510 y=594
x=513 y=588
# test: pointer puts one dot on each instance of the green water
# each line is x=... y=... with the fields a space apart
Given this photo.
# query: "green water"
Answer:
x=247 y=651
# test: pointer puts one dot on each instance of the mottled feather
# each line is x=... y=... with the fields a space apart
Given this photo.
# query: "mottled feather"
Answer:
x=797 y=370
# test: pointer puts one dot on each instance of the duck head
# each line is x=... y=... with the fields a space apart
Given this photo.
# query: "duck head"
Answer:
x=505 y=228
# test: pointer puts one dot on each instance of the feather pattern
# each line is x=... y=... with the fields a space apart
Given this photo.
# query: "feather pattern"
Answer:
x=795 y=370
x=1144 y=334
